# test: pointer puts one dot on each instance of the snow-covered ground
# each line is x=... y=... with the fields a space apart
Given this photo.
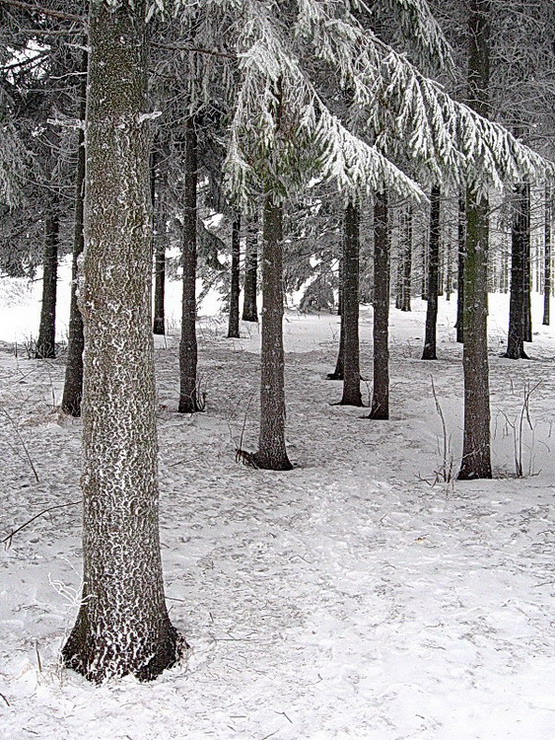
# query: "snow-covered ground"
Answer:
x=349 y=598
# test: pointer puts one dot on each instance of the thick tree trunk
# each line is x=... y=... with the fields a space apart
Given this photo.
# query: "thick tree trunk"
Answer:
x=233 y=325
x=430 y=348
x=46 y=342
x=461 y=254
x=520 y=245
x=190 y=399
x=123 y=625
x=73 y=384
x=250 y=310
x=350 y=314
x=272 y=452
x=476 y=455
x=547 y=255
x=380 y=395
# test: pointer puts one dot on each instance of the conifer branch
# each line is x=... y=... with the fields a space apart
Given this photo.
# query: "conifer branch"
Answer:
x=45 y=11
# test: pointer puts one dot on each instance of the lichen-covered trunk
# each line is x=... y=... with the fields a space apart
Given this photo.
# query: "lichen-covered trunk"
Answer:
x=379 y=408
x=350 y=309
x=46 y=342
x=547 y=255
x=250 y=309
x=430 y=344
x=272 y=452
x=189 y=396
x=123 y=625
x=233 y=324
x=73 y=382
x=520 y=244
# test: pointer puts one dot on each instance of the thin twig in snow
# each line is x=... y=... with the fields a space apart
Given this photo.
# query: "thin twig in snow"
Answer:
x=26 y=449
x=50 y=508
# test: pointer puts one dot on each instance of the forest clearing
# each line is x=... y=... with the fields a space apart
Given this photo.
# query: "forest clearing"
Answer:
x=347 y=598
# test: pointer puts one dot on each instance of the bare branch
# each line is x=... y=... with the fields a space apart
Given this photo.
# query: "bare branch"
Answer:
x=45 y=11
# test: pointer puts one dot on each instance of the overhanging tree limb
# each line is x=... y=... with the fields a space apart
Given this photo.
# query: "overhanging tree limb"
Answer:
x=45 y=11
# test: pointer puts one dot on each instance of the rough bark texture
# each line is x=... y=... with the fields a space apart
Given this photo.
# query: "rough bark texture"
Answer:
x=46 y=342
x=233 y=325
x=250 y=309
x=520 y=245
x=73 y=384
x=272 y=453
x=380 y=395
x=123 y=625
x=461 y=240
x=547 y=255
x=350 y=313
x=188 y=388
x=476 y=455
x=430 y=348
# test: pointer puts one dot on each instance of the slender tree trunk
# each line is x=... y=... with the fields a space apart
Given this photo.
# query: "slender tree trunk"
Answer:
x=519 y=235
x=233 y=326
x=399 y=272
x=476 y=455
x=461 y=253
x=123 y=625
x=159 y=322
x=73 y=384
x=250 y=310
x=430 y=349
x=448 y=271
x=340 y=291
x=350 y=314
x=46 y=343
x=547 y=254
x=407 y=261
x=159 y=228
x=380 y=396
x=190 y=400
x=527 y=275
x=272 y=452
x=338 y=373
x=424 y=269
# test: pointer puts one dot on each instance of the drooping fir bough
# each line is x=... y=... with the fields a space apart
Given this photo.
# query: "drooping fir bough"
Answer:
x=123 y=625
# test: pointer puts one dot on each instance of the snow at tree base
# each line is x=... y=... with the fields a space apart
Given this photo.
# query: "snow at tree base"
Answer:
x=347 y=598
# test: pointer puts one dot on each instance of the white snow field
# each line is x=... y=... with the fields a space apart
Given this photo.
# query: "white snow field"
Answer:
x=348 y=598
